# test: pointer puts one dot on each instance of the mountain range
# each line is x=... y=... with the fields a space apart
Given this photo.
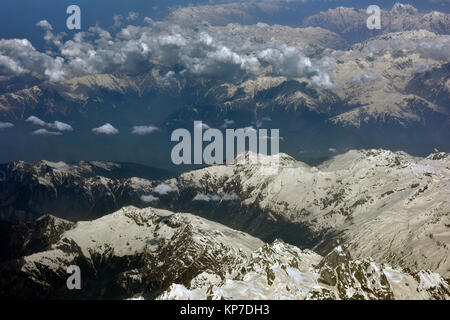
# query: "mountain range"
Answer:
x=326 y=91
x=356 y=208
x=150 y=253
x=377 y=203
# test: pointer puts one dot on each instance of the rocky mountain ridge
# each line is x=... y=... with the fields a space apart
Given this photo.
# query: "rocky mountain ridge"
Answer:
x=81 y=191
x=281 y=271
x=156 y=253
x=383 y=204
x=132 y=251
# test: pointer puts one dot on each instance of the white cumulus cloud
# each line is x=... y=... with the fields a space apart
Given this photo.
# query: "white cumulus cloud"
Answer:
x=44 y=24
x=45 y=132
x=6 y=125
x=61 y=126
x=106 y=129
x=36 y=121
x=18 y=56
x=216 y=197
x=143 y=130
x=57 y=125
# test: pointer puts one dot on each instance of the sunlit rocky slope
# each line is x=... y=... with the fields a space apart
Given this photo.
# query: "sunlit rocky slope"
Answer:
x=156 y=253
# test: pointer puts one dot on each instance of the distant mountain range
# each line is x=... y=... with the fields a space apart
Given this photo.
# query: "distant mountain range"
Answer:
x=388 y=90
x=86 y=190
x=351 y=23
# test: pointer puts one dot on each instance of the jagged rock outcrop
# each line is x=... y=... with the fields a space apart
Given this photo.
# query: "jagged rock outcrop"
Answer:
x=282 y=271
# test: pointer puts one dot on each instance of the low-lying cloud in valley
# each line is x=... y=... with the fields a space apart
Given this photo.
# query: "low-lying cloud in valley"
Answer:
x=428 y=45
x=6 y=125
x=134 y=49
x=55 y=125
x=149 y=198
x=106 y=129
x=364 y=78
x=216 y=197
x=208 y=52
x=45 y=132
x=164 y=188
x=143 y=130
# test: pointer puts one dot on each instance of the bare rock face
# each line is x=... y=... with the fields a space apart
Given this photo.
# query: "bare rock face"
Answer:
x=281 y=271
x=365 y=281
x=437 y=155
